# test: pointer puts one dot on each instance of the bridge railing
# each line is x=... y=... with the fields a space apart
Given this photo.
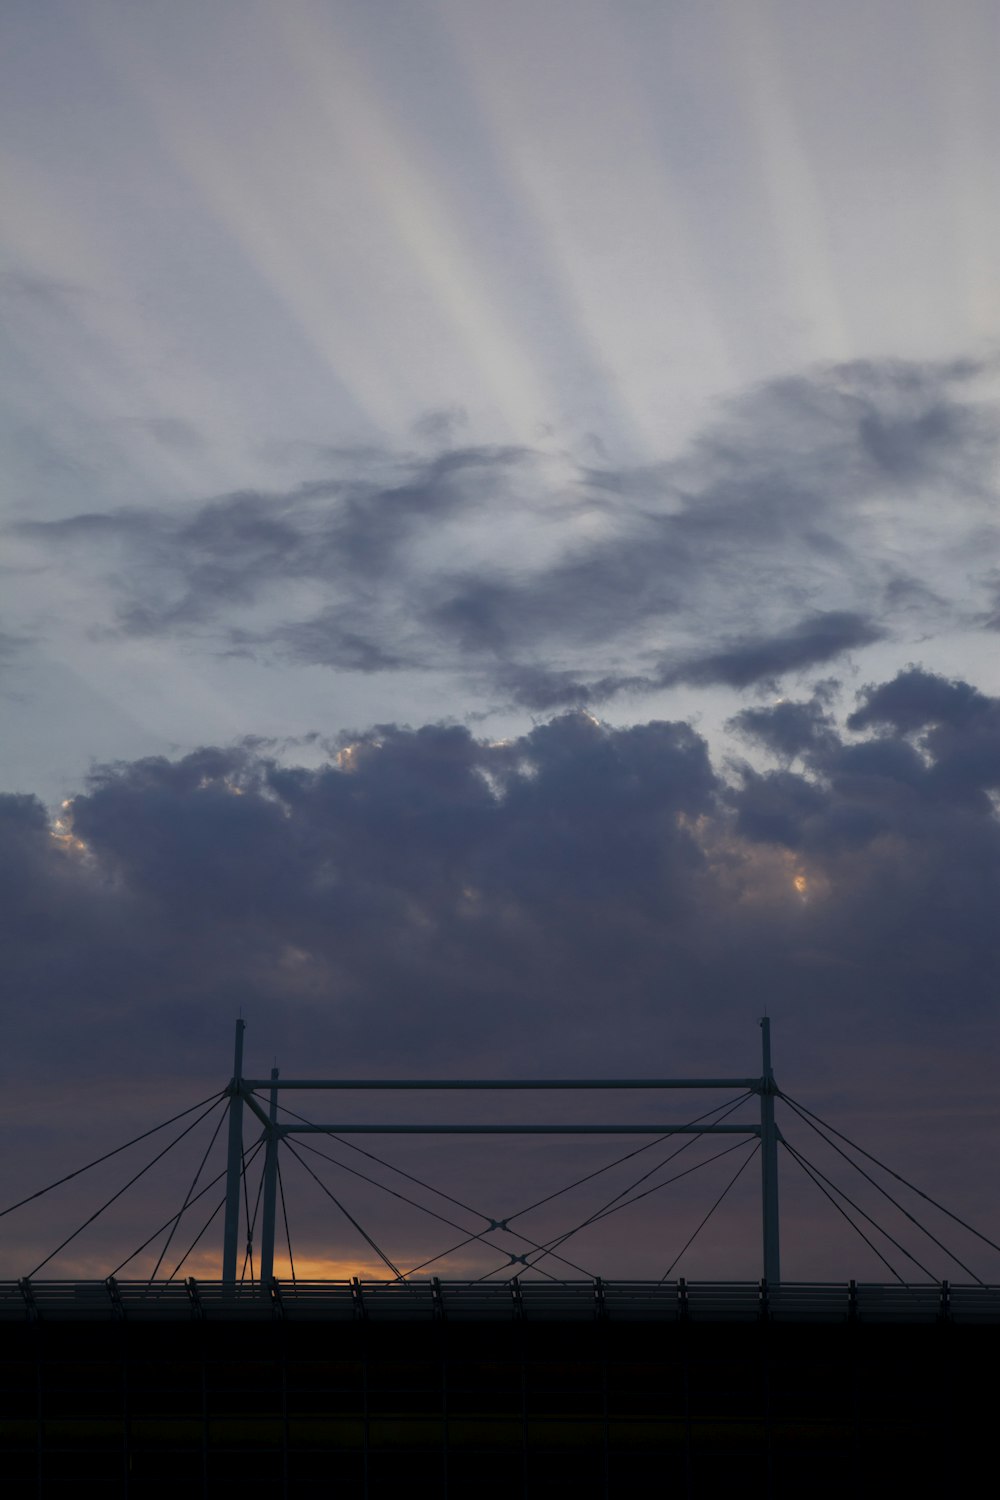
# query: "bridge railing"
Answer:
x=532 y=1301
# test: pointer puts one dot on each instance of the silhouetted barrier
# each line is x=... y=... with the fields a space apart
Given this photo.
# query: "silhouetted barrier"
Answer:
x=367 y=1390
x=492 y=1302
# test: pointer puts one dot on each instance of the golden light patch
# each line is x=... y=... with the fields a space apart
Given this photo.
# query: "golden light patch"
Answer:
x=63 y=834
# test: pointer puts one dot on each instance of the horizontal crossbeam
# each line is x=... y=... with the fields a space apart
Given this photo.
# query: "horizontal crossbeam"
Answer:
x=502 y=1083
x=651 y=1129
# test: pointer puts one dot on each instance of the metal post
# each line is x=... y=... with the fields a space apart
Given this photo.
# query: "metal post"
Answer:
x=270 y=1190
x=769 y=1162
x=234 y=1163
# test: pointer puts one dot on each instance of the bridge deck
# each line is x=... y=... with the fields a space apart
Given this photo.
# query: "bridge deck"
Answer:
x=492 y=1302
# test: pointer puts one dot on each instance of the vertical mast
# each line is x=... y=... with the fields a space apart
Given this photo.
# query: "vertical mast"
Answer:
x=234 y=1162
x=769 y=1161
x=270 y=1189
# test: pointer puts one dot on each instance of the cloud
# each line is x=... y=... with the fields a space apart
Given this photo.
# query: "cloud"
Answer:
x=915 y=699
x=578 y=899
x=788 y=729
x=811 y=642
x=419 y=878
x=803 y=523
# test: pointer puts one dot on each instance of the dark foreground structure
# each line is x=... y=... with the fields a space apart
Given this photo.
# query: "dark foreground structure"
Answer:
x=458 y=1390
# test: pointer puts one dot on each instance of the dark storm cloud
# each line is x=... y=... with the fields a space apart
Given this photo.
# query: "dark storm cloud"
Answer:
x=788 y=729
x=811 y=642
x=758 y=662
x=915 y=699
x=425 y=894
x=759 y=552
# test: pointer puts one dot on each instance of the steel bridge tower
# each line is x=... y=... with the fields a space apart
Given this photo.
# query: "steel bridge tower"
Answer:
x=242 y=1092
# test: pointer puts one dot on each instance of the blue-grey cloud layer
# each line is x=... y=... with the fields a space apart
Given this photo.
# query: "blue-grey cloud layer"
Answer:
x=813 y=517
x=427 y=892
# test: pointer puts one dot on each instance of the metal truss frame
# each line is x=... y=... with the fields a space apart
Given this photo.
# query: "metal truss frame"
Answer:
x=242 y=1091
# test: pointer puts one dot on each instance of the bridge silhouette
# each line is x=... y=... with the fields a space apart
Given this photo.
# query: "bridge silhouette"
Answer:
x=531 y=1276
x=531 y=1378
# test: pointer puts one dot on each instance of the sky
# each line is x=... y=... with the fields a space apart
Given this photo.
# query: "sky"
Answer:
x=499 y=575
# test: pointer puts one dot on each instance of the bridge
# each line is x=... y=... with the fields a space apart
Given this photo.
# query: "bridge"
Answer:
x=524 y=1380
x=253 y=1189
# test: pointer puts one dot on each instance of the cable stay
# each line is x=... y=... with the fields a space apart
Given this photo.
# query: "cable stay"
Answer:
x=729 y=1109
x=899 y=1178
x=887 y=1195
x=843 y=1212
x=730 y=1184
x=212 y=1098
x=859 y=1210
x=173 y=1220
x=284 y=1215
x=472 y=1235
x=614 y=1206
x=188 y=1198
x=351 y=1146
x=397 y=1273
x=628 y=1156
x=211 y=1218
x=131 y=1182
x=250 y=1223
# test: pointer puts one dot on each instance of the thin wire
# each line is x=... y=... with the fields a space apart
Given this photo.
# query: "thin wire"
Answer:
x=208 y=1221
x=803 y=1113
x=206 y=1189
x=108 y=1155
x=481 y=1235
x=248 y=1256
x=613 y=1206
x=220 y=1205
x=115 y=1196
x=256 y=1211
x=383 y=1163
x=843 y=1212
x=728 y=1108
x=187 y=1200
x=885 y=1194
x=284 y=1215
x=731 y=1183
x=366 y=1237
x=874 y=1223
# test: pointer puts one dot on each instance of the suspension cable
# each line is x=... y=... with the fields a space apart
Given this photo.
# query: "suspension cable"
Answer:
x=351 y=1146
x=248 y=1255
x=284 y=1215
x=729 y=1108
x=204 y=1228
x=481 y=1235
x=885 y=1194
x=215 y=1211
x=731 y=1183
x=132 y=1180
x=843 y=1212
x=398 y=1275
x=614 y=1205
x=166 y=1224
x=637 y=1151
x=187 y=1199
x=108 y=1155
x=858 y=1209
x=801 y=1110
